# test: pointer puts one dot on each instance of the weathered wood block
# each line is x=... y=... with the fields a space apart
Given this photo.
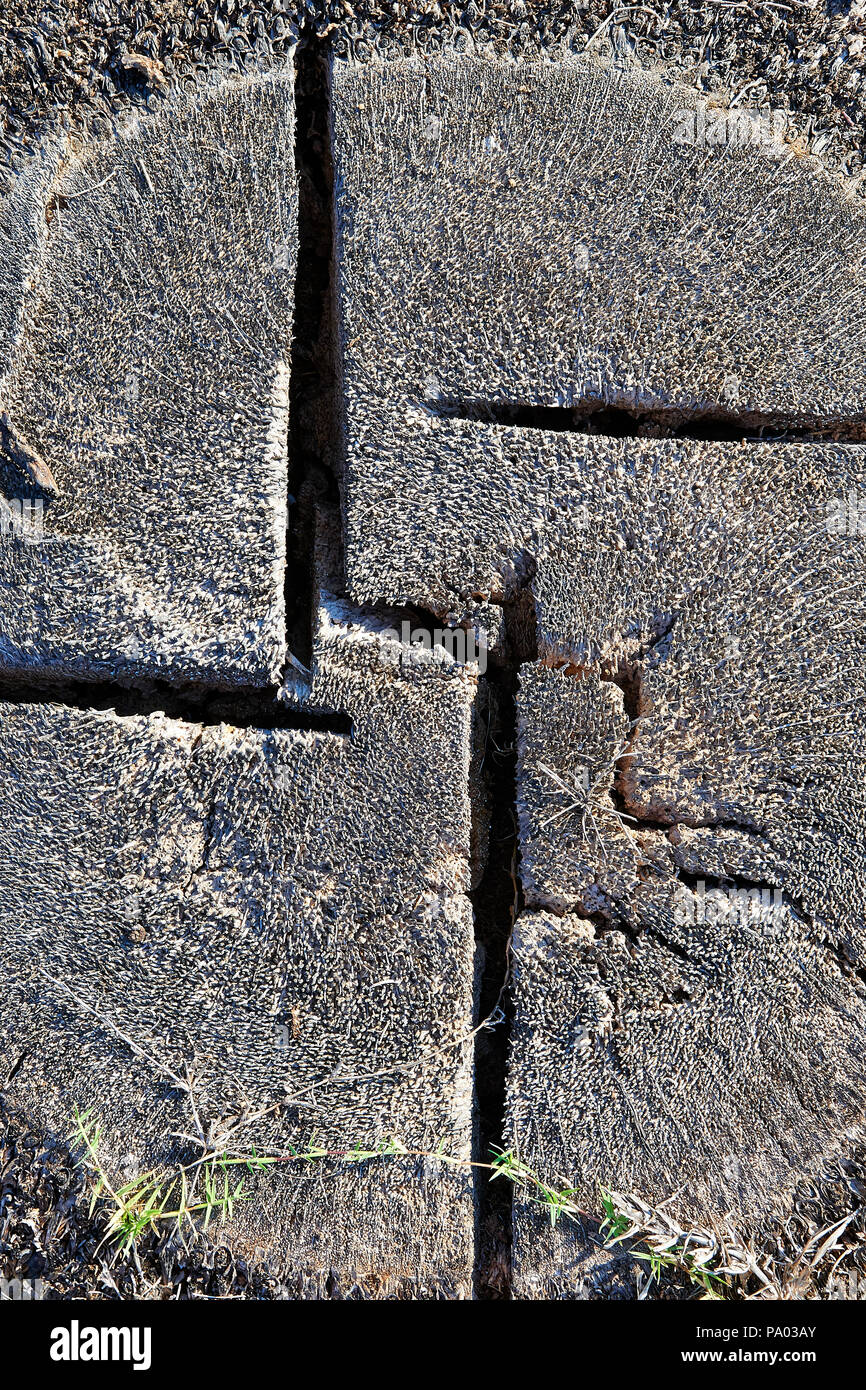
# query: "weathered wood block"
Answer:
x=264 y=934
x=534 y=235
x=689 y=1023
x=147 y=285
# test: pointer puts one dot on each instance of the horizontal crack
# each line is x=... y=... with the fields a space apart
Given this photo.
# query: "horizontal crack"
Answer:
x=691 y=880
x=253 y=708
x=619 y=420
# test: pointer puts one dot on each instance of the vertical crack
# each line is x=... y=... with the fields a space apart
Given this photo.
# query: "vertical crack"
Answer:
x=313 y=405
x=497 y=902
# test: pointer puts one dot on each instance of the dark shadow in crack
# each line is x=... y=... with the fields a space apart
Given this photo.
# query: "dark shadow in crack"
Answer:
x=620 y=419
